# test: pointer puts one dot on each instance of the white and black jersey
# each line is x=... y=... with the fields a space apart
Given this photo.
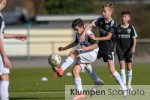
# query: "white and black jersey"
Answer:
x=104 y=29
x=3 y=69
x=124 y=37
x=86 y=56
x=88 y=41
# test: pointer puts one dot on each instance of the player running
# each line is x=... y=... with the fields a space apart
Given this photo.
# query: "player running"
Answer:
x=106 y=26
x=5 y=63
x=125 y=48
x=84 y=56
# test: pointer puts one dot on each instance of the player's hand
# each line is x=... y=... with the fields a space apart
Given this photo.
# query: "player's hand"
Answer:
x=83 y=47
x=133 y=50
x=21 y=37
x=7 y=62
x=61 y=48
x=93 y=37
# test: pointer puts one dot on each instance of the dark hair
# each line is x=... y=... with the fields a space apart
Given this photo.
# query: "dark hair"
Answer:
x=77 y=22
x=126 y=13
x=110 y=5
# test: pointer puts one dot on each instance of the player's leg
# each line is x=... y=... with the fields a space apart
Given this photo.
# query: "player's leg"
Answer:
x=93 y=75
x=4 y=81
x=129 y=60
x=122 y=71
x=88 y=57
x=121 y=58
x=4 y=85
x=69 y=60
x=77 y=81
x=97 y=81
x=111 y=65
x=117 y=76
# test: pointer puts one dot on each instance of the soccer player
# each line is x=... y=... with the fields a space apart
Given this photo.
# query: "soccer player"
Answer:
x=125 y=47
x=106 y=26
x=84 y=56
x=5 y=63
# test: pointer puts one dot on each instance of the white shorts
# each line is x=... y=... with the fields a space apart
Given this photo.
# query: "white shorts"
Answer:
x=3 y=70
x=86 y=57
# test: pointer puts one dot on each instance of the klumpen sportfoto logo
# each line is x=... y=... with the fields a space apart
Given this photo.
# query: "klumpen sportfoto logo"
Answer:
x=107 y=92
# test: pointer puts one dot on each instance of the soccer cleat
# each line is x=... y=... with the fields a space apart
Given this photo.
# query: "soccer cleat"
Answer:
x=58 y=70
x=78 y=97
x=129 y=88
x=125 y=93
x=97 y=85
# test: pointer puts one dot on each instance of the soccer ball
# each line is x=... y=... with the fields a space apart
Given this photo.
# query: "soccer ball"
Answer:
x=54 y=59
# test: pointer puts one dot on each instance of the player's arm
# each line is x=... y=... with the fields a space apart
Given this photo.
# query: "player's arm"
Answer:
x=93 y=46
x=134 y=36
x=15 y=36
x=87 y=27
x=71 y=45
x=6 y=60
x=107 y=37
x=134 y=45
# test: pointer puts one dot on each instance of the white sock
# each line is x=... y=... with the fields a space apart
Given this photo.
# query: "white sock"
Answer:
x=119 y=80
x=4 y=90
x=129 y=77
x=67 y=63
x=78 y=84
x=92 y=73
x=123 y=75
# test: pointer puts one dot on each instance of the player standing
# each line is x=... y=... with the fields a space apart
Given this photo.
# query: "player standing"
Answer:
x=84 y=56
x=5 y=63
x=106 y=40
x=125 y=48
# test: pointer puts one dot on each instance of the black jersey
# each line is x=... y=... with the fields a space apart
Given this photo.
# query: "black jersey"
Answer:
x=124 y=37
x=104 y=29
x=2 y=25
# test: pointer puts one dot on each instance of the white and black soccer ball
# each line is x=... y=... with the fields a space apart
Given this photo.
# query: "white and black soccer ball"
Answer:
x=54 y=59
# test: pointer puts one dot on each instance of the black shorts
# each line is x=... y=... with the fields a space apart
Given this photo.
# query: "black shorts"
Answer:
x=106 y=55
x=127 y=56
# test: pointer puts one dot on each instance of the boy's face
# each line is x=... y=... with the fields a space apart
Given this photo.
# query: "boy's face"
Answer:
x=107 y=12
x=125 y=18
x=2 y=4
x=78 y=29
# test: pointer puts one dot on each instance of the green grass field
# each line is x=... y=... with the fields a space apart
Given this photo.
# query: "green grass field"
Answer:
x=25 y=83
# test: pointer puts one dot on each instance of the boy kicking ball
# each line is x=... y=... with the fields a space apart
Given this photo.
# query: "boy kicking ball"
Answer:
x=5 y=63
x=125 y=48
x=84 y=56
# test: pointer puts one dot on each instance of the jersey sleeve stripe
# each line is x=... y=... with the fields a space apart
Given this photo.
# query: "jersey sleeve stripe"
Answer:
x=135 y=33
x=94 y=23
x=112 y=23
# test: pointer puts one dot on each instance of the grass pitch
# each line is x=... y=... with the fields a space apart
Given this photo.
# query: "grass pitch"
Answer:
x=26 y=84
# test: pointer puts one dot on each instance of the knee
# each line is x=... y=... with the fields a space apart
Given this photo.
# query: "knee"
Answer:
x=5 y=77
x=76 y=72
x=112 y=72
x=73 y=54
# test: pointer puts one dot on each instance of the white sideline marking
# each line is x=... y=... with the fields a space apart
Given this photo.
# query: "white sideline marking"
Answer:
x=36 y=92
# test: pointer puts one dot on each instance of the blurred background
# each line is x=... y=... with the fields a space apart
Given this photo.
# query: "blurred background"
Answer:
x=48 y=26
x=47 y=23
